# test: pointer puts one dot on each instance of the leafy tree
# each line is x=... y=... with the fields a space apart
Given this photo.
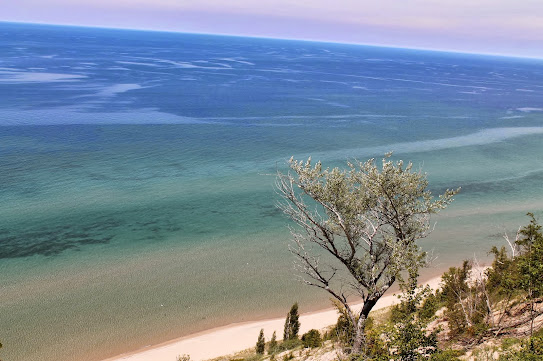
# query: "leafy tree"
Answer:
x=272 y=347
x=312 y=338
x=367 y=219
x=502 y=277
x=454 y=290
x=292 y=324
x=468 y=308
x=260 y=343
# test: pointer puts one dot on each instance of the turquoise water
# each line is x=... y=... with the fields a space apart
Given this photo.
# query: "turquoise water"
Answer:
x=137 y=171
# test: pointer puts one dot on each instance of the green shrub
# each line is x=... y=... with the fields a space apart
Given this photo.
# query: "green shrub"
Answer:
x=375 y=347
x=343 y=331
x=446 y=355
x=288 y=345
x=531 y=350
x=429 y=306
x=312 y=338
x=409 y=340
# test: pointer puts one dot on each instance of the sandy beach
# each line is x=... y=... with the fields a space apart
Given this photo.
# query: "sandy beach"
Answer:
x=240 y=336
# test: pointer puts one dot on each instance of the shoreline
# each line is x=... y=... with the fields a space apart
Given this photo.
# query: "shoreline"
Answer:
x=235 y=337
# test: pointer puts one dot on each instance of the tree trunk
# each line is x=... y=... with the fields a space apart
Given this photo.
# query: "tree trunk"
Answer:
x=359 y=338
x=360 y=326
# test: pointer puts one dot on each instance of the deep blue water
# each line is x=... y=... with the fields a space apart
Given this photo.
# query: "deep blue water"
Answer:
x=148 y=159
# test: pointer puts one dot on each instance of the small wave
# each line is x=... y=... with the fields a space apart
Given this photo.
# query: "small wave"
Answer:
x=237 y=61
x=513 y=117
x=138 y=63
x=117 y=88
x=35 y=77
x=529 y=109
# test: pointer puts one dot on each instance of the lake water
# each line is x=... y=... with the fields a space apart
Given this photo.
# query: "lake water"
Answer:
x=137 y=171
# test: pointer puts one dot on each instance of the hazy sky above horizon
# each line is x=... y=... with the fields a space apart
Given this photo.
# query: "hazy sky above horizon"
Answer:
x=509 y=27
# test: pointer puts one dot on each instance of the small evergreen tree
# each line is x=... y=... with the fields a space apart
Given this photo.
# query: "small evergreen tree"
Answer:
x=286 y=331
x=292 y=324
x=260 y=343
x=273 y=344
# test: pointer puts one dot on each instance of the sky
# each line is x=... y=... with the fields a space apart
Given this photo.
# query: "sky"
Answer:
x=503 y=27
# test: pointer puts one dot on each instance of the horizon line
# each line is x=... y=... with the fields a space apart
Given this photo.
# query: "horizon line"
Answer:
x=309 y=40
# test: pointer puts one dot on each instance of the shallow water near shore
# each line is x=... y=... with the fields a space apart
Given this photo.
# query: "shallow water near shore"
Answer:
x=137 y=171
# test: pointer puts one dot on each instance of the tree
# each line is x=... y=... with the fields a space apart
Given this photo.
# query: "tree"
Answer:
x=273 y=344
x=260 y=343
x=292 y=324
x=367 y=219
x=468 y=307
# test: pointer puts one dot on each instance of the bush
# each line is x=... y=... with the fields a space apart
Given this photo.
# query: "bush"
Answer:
x=288 y=357
x=312 y=338
x=532 y=350
x=288 y=345
x=343 y=331
x=446 y=355
x=408 y=340
x=429 y=306
x=376 y=348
